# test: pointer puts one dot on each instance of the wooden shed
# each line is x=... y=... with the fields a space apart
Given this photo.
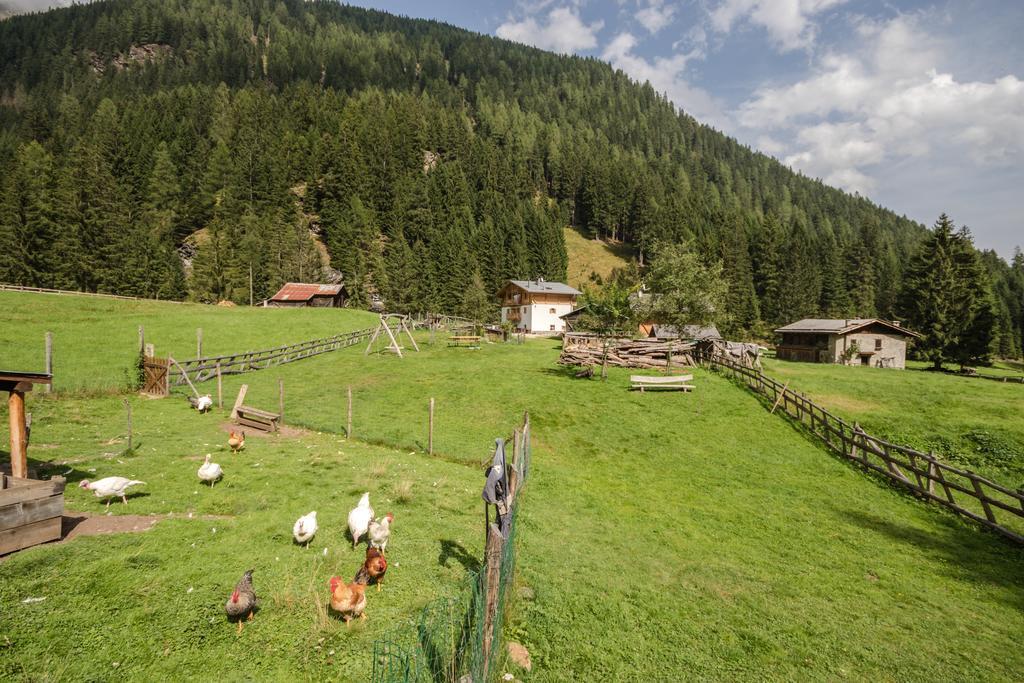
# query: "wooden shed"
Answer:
x=30 y=511
x=299 y=294
x=853 y=341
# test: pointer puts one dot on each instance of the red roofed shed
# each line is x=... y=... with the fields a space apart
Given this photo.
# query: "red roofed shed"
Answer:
x=304 y=294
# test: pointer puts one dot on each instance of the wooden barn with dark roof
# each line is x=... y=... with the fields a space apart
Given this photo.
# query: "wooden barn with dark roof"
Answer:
x=855 y=341
x=298 y=294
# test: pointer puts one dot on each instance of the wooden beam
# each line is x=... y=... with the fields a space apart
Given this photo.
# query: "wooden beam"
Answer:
x=779 y=399
x=239 y=401
x=19 y=440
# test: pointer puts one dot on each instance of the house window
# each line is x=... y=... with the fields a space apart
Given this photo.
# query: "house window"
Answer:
x=551 y=311
x=551 y=328
x=878 y=345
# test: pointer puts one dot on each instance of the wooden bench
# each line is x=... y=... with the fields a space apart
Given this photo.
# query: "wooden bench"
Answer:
x=263 y=420
x=667 y=382
x=467 y=340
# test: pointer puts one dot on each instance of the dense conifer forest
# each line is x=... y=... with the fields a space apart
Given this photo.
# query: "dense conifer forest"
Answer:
x=168 y=149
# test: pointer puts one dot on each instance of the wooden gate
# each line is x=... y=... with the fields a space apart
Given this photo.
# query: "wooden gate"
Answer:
x=155 y=376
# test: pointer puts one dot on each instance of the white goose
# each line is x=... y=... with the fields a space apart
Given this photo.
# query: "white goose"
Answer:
x=210 y=471
x=305 y=528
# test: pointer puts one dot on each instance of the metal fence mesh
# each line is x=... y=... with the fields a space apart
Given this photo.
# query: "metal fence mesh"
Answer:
x=450 y=642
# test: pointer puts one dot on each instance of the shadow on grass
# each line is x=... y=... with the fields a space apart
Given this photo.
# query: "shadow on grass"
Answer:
x=455 y=550
x=44 y=469
x=984 y=556
x=567 y=372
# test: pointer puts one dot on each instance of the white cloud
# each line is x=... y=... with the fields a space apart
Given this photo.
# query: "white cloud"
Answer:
x=788 y=22
x=563 y=32
x=888 y=103
x=655 y=15
x=666 y=75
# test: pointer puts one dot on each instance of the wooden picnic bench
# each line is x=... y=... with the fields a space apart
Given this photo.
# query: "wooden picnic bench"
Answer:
x=263 y=420
x=667 y=382
x=467 y=340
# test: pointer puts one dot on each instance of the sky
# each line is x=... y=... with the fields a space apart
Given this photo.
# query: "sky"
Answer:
x=915 y=104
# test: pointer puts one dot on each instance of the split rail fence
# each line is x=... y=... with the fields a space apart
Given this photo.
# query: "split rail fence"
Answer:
x=458 y=639
x=992 y=505
x=202 y=369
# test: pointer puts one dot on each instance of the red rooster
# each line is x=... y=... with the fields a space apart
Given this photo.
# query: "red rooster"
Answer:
x=373 y=568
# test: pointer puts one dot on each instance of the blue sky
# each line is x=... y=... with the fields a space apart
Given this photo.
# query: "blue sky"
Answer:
x=916 y=105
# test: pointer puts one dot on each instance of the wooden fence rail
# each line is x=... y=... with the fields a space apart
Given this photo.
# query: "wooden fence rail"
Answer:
x=72 y=292
x=202 y=369
x=966 y=493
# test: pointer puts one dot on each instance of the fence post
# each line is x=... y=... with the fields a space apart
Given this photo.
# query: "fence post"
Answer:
x=128 y=407
x=348 y=425
x=931 y=472
x=280 y=398
x=495 y=542
x=199 y=342
x=430 y=430
x=49 y=361
x=142 y=339
x=150 y=350
x=220 y=390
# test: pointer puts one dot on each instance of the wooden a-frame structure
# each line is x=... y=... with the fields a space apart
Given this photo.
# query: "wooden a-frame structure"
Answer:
x=402 y=324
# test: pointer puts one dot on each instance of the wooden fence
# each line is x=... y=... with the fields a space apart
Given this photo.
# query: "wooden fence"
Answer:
x=966 y=493
x=71 y=292
x=202 y=369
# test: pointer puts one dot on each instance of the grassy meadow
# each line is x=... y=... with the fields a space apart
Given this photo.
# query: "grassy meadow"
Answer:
x=588 y=256
x=975 y=423
x=96 y=340
x=662 y=536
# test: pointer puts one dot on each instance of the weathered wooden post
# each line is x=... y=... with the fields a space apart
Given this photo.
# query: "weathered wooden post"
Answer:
x=199 y=342
x=220 y=390
x=128 y=407
x=19 y=438
x=238 y=401
x=150 y=350
x=142 y=339
x=430 y=429
x=280 y=398
x=348 y=424
x=49 y=359
x=492 y=555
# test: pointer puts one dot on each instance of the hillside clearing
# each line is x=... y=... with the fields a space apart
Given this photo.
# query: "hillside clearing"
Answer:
x=588 y=256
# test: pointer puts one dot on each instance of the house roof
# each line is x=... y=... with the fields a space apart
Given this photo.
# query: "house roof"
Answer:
x=843 y=326
x=301 y=291
x=544 y=287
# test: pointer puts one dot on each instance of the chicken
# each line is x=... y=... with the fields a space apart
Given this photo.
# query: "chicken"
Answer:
x=373 y=568
x=236 y=441
x=305 y=528
x=110 y=487
x=242 y=602
x=347 y=599
x=210 y=471
x=201 y=403
x=380 y=531
x=359 y=519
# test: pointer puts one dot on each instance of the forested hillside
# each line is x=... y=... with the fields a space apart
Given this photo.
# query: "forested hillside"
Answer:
x=165 y=149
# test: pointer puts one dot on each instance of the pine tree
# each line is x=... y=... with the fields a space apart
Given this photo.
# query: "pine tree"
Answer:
x=28 y=224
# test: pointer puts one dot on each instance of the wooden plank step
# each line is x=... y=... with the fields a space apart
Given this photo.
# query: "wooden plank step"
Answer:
x=17 y=490
x=20 y=514
x=261 y=426
x=256 y=412
x=29 y=535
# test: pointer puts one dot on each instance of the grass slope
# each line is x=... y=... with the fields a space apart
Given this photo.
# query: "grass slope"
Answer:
x=691 y=536
x=974 y=422
x=149 y=606
x=587 y=256
x=95 y=339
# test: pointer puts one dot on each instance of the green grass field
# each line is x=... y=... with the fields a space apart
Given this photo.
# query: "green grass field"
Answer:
x=662 y=536
x=96 y=340
x=587 y=256
x=975 y=423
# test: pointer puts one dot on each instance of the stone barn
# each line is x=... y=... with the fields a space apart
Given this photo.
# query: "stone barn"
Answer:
x=861 y=341
x=298 y=294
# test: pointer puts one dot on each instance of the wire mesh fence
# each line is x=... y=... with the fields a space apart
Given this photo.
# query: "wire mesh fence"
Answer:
x=458 y=638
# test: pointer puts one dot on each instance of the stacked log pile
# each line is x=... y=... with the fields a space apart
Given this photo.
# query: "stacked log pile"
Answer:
x=627 y=353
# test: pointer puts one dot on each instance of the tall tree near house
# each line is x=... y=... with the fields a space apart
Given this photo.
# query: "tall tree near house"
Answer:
x=947 y=298
x=608 y=312
x=685 y=289
x=741 y=301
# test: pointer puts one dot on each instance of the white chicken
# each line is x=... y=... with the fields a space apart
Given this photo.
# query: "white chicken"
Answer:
x=380 y=531
x=305 y=528
x=204 y=403
x=359 y=518
x=210 y=471
x=110 y=487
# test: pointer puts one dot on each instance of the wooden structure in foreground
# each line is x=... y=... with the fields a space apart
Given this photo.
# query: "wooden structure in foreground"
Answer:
x=247 y=416
x=966 y=493
x=30 y=512
x=17 y=384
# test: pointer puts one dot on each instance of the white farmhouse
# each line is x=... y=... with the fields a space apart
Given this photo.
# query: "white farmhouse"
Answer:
x=536 y=306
